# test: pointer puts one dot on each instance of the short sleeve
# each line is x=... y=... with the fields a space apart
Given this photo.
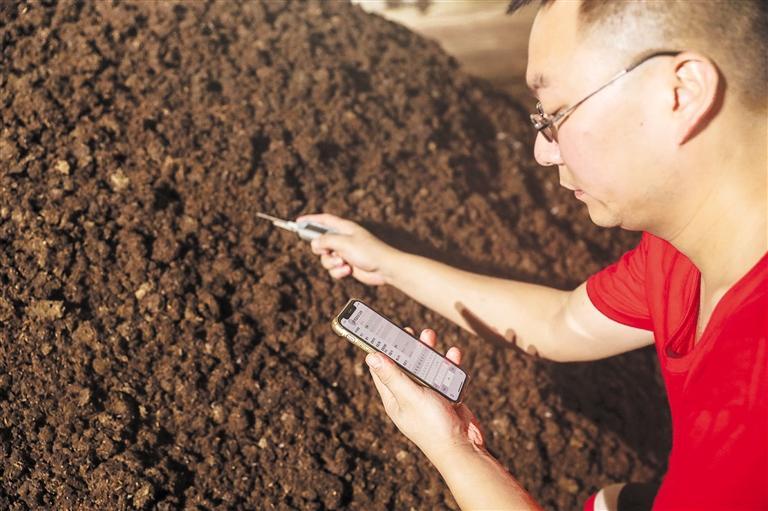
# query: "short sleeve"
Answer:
x=619 y=291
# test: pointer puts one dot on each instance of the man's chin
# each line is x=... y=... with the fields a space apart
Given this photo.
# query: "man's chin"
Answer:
x=602 y=217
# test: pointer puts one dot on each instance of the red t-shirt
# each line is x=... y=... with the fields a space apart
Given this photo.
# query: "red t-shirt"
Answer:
x=717 y=388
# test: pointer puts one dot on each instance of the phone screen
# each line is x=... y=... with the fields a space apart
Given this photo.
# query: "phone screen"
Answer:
x=408 y=352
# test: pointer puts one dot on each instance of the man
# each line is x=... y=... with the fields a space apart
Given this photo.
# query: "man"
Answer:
x=655 y=115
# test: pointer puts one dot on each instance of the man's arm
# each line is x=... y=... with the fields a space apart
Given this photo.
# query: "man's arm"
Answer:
x=559 y=325
x=478 y=481
x=449 y=435
x=563 y=326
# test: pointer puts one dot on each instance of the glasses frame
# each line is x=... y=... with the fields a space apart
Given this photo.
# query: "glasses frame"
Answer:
x=545 y=123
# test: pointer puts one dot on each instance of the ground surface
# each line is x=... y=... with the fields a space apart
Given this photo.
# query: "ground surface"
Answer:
x=162 y=348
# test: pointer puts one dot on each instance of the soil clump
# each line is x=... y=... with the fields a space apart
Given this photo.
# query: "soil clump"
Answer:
x=163 y=348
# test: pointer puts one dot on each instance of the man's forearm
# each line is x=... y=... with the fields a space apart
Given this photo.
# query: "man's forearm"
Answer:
x=478 y=481
x=513 y=310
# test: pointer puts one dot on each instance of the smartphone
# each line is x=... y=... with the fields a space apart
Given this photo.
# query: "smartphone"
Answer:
x=371 y=331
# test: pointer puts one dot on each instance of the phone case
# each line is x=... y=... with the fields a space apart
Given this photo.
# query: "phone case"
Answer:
x=339 y=330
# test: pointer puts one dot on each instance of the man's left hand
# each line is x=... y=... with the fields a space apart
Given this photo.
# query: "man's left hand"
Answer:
x=428 y=419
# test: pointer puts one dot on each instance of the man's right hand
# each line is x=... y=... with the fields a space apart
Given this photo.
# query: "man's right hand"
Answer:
x=352 y=251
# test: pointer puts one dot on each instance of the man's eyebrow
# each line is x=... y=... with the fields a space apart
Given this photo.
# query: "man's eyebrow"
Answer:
x=538 y=82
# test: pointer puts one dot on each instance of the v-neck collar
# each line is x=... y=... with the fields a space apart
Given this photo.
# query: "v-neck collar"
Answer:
x=681 y=348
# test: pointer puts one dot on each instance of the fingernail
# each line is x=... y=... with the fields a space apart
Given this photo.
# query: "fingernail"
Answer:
x=373 y=360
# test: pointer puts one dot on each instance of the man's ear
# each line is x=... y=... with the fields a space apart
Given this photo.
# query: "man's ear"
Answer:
x=699 y=90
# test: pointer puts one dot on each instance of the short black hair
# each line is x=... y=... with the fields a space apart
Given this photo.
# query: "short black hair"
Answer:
x=515 y=5
x=734 y=34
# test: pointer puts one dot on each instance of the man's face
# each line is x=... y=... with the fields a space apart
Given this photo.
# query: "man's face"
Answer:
x=611 y=149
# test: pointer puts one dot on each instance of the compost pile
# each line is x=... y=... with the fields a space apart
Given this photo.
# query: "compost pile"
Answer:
x=161 y=347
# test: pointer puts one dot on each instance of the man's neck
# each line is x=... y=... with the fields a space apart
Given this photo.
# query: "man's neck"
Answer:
x=727 y=232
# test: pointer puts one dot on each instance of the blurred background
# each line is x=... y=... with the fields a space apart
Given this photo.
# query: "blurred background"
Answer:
x=484 y=39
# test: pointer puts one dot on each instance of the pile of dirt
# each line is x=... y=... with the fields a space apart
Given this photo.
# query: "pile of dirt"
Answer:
x=161 y=347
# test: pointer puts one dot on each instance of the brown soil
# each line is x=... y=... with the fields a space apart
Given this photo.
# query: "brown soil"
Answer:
x=162 y=348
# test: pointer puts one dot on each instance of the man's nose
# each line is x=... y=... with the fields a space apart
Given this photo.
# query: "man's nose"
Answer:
x=546 y=153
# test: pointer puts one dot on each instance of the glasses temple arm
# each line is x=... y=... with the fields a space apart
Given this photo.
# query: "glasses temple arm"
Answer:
x=574 y=106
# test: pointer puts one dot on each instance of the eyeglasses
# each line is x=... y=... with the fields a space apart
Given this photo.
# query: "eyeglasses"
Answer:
x=546 y=123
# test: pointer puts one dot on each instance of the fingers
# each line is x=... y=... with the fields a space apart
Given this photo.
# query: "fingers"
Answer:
x=336 y=266
x=316 y=249
x=428 y=337
x=340 y=272
x=386 y=396
x=454 y=355
x=396 y=382
x=330 y=243
x=331 y=261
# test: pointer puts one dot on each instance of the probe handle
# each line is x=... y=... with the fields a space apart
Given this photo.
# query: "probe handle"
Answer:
x=310 y=230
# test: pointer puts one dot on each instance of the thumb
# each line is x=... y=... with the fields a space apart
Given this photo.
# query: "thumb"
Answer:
x=397 y=382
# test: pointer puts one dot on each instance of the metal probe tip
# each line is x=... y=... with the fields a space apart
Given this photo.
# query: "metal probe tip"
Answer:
x=268 y=217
